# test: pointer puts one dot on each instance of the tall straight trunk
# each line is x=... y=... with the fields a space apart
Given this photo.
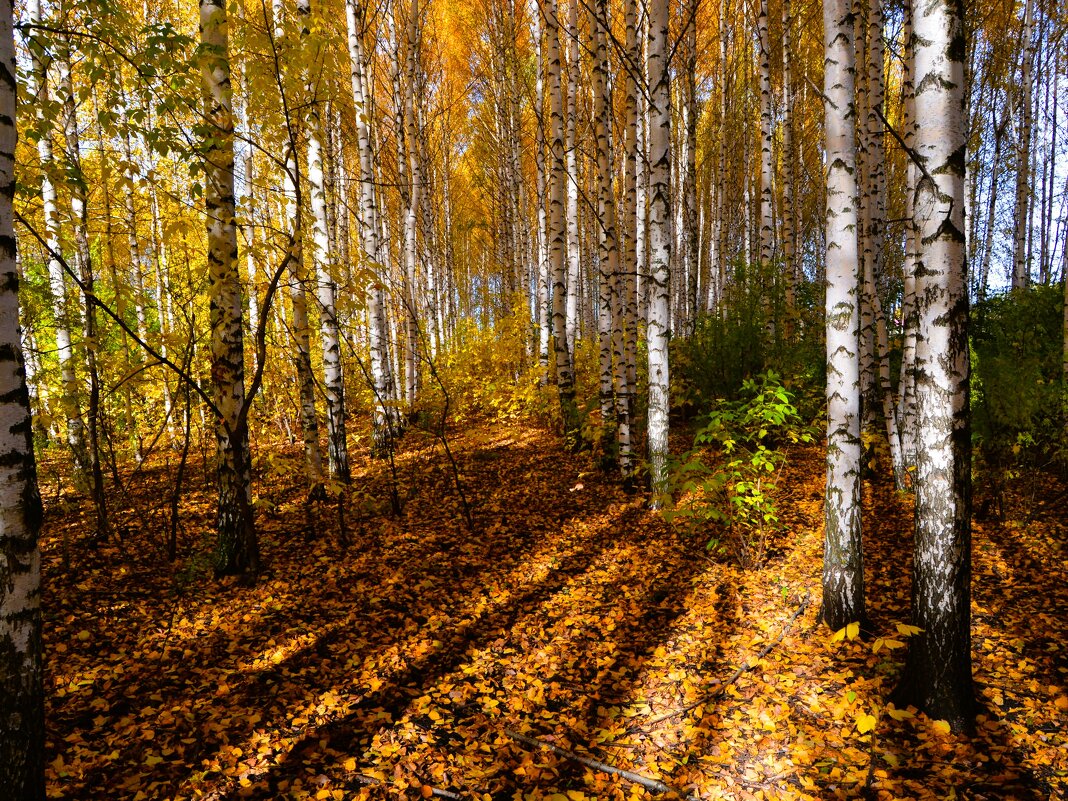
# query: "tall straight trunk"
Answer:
x=374 y=256
x=22 y=741
x=557 y=231
x=574 y=255
x=767 y=217
x=641 y=199
x=659 y=242
x=65 y=317
x=1021 y=268
x=138 y=260
x=325 y=288
x=609 y=317
x=1050 y=76
x=625 y=331
x=237 y=549
x=938 y=670
x=298 y=294
x=720 y=230
x=690 y=262
x=83 y=264
x=543 y=290
x=906 y=400
x=843 y=561
x=992 y=198
x=791 y=266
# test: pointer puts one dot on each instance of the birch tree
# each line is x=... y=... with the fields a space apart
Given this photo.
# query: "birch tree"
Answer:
x=22 y=741
x=238 y=549
x=938 y=669
x=65 y=317
x=659 y=242
x=843 y=565
x=325 y=287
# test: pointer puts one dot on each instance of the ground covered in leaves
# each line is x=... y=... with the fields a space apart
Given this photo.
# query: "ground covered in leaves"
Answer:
x=425 y=659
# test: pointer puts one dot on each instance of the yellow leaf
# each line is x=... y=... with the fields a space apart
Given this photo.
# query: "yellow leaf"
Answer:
x=898 y=714
x=865 y=723
x=83 y=635
x=349 y=764
x=852 y=630
x=892 y=644
x=576 y=795
x=838 y=636
x=907 y=631
x=877 y=645
x=1061 y=703
x=941 y=726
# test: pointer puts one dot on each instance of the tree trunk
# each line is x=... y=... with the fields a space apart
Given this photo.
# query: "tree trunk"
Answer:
x=659 y=243
x=22 y=741
x=1021 y=268
x=843 y=560
x=938 y=672
x=65 y=318
x=237 y=549
x=325 y=289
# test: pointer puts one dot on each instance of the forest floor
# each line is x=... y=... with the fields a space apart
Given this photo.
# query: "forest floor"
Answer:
x=425 y=659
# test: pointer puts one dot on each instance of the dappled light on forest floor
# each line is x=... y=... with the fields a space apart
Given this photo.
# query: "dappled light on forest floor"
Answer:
x=398 y=666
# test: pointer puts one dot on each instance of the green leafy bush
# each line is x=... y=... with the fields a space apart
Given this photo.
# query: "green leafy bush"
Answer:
x=726 y=481
x=1018 y=416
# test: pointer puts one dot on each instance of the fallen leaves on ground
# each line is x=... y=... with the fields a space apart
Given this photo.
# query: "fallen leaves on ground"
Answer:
x=396 y=666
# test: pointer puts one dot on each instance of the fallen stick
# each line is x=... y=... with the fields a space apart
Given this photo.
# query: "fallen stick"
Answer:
x=745 y=666
x=653 y=785
x=364 y=779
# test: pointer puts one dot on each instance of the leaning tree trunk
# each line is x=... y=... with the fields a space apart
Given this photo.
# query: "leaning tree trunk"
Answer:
x=22 y=742
x=237 y=549
x=843 y=562
x=659 y=243
x=938 y=670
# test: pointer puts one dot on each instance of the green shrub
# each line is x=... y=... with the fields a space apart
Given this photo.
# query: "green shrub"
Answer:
x=726 y=481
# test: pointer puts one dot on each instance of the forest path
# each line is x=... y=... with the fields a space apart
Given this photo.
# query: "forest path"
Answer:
x=397 y=666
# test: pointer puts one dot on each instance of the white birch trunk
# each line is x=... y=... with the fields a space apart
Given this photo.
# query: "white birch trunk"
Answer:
x=237 y=550
x=659 y=242
x=938 y=675
x=843 y=565
x=22 y=740
x=557 y=230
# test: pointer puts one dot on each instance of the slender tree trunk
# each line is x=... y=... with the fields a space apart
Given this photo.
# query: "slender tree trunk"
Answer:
x=609 y=318
x=767 y=217
x=373 y=252
x=557 y=231
x=325 y=288
x=659 y=242
x=298 y=295
x=1021 y=268
x=843 y=561
x=791 y=268
x=574 y=255
x=22 y=741
x=65 y=318
x=84 y=266
x=544 y=286
x=238 y=549
x=938 y=673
